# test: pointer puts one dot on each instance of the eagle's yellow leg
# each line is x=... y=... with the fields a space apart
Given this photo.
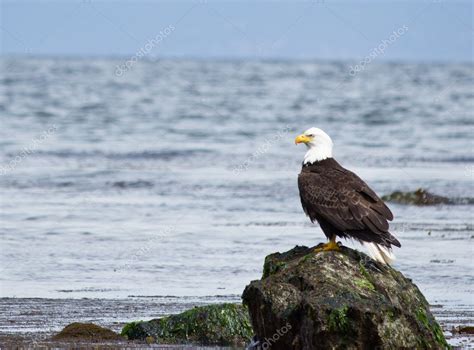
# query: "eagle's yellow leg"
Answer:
x=331 y=245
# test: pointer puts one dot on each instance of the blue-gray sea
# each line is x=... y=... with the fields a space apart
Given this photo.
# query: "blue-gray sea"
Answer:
x=176 y=178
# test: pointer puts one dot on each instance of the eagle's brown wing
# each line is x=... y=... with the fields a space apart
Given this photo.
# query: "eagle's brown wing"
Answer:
x=341 y=199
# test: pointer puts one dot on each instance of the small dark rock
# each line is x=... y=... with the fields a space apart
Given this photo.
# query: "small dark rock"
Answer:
x=86 y=332
x=464 y=330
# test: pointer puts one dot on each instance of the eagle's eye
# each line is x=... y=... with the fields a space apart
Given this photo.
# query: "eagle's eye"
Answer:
x=310 y=135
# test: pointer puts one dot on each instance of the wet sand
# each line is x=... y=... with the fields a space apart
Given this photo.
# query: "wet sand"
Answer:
x=29 y=323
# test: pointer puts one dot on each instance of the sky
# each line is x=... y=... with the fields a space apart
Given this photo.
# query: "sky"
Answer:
x=438 y=30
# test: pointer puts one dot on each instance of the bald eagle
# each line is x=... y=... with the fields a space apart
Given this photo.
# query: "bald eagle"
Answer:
x=342 y=204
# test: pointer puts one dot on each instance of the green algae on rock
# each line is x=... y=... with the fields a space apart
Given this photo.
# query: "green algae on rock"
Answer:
x=338 y=300
x=86 y=332
x=220 y=324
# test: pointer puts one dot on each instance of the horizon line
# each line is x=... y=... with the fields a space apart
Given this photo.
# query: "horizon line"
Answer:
x=231 y=58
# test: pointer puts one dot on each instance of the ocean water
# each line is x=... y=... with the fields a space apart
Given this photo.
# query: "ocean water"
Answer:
x=178 y=177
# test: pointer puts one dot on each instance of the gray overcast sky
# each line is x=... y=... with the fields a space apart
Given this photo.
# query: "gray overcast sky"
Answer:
x=322 y=29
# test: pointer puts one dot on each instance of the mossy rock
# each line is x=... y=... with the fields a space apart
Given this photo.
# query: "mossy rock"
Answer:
x=220 y=324
x=338 y=300
x=86 y=332
x=418 y=197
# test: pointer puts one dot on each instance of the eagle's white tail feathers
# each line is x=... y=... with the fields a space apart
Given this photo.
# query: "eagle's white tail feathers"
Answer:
x=380 y=253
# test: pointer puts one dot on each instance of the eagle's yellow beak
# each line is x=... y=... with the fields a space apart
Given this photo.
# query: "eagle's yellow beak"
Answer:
x=302 y=139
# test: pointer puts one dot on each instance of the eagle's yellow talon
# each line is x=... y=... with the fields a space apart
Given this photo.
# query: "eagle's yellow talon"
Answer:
x=331 y=245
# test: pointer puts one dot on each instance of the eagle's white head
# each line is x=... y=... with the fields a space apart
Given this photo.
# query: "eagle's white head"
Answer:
x=319 y=144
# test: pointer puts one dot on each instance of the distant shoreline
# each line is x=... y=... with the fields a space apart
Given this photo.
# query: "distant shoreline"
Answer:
x=223 y=59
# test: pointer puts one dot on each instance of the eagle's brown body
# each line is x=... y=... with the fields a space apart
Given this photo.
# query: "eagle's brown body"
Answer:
x=343 y=204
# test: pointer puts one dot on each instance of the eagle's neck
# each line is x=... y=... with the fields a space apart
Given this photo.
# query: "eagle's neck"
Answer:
x=317 y=153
